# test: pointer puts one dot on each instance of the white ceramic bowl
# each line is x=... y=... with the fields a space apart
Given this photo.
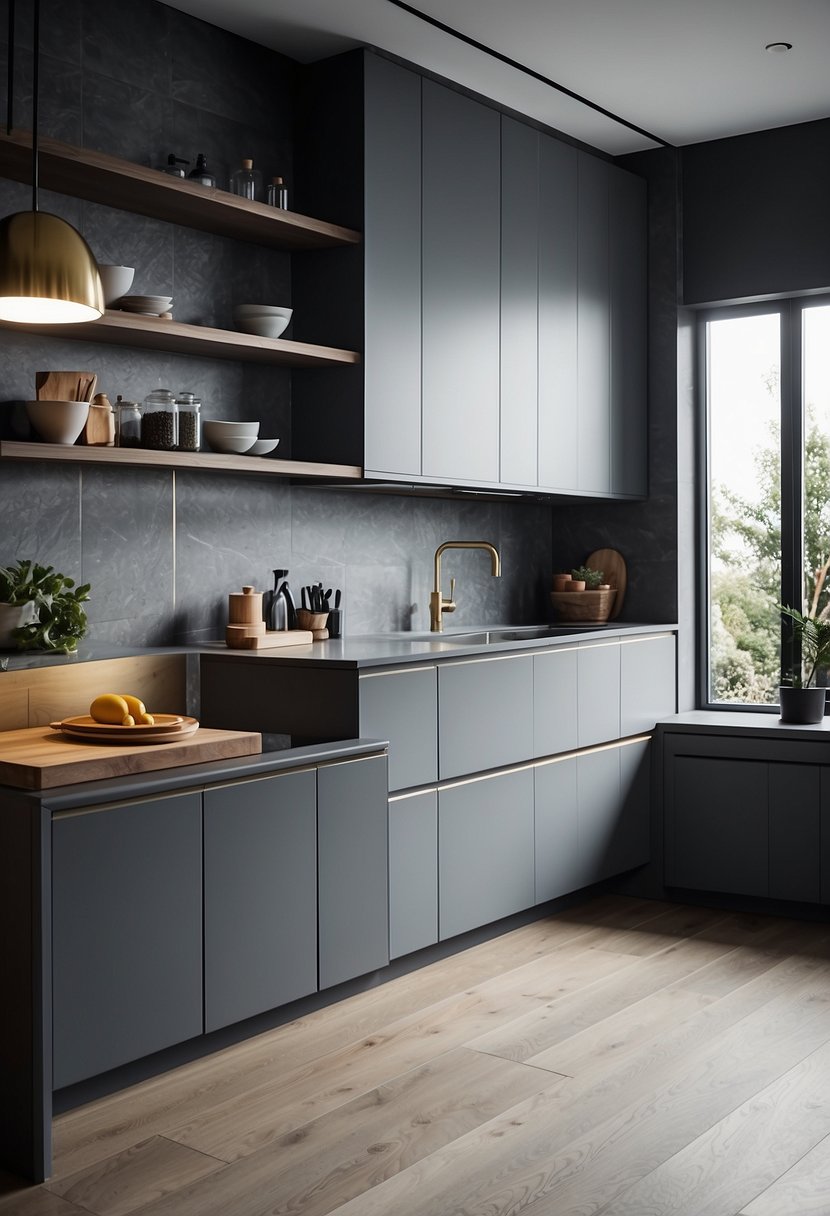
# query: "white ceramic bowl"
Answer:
x=232 y=428
x=58 y=421
x=230 y=436
x=231 y=443
x=117 y=281
x=262 y=447
x=263 y=327
x=262 y=310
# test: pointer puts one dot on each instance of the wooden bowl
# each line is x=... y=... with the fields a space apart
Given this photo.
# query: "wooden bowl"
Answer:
x=586 y=607
x=315 y=621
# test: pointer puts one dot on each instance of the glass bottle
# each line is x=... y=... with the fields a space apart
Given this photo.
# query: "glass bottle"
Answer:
x=190 y=422
x=172 y=166
x=159 y=421
x=278 y=194
x=247 y=181
x=127 y=423
x=201 y=173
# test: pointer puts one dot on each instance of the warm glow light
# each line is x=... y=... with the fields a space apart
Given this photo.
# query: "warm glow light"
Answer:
x=29 y=311
x=48 y=274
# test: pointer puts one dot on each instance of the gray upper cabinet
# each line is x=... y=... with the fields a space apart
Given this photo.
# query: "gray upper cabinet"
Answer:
x=260 y=876
x=127 y=933
x=628 y=249
x=593 y=328
x=402 y=706
x=352 y=853
x=392 y=268
x=519 y=301
x=558 y=218
x=486 y=714
x=461 y=279
x=648 y=682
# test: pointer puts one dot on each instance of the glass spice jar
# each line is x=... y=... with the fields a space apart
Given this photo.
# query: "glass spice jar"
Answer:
x=159 y=421
x=190 y=422
x=127 y=423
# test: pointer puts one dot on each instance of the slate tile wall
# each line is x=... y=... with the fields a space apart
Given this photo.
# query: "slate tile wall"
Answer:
x=162 y=551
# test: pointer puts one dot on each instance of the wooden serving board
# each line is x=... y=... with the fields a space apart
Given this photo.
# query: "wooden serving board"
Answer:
x=612 y=564
x=39 y=758
x=274 y=637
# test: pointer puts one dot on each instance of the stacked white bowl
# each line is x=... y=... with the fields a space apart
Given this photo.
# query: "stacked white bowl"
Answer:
x=236 y=437
x=264 y=320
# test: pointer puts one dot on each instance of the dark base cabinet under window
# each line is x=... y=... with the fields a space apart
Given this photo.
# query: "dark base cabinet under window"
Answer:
x=127 y=933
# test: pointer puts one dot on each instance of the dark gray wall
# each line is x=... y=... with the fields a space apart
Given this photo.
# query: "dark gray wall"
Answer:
x=139 y=80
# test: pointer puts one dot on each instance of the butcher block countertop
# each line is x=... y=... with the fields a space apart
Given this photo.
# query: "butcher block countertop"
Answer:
x=40 y=758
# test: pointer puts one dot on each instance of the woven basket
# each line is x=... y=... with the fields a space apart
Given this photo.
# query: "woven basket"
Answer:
x=590 y=607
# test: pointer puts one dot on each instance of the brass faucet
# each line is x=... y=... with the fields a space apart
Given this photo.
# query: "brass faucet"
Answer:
x=437 y=604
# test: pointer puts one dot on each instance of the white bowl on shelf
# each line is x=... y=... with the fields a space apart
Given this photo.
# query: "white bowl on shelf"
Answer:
x=235 y=437
x=116 y=281
x=262 y=310
x=263 y=327
x=262 y=447
x=58 y=421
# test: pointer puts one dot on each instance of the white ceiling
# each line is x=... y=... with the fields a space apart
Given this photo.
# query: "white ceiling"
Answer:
x=684 y=70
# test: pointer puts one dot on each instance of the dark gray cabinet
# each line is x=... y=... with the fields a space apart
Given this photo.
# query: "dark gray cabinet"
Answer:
x=392 y=268
x=402 y=706
x=628 y=250
x=460 y=286
x=352 y=874
x=260 y=895
x=413 y=872
x=485 y=850
x=593 y=328
x=555 y=692
x=557 y=857
x=558 y=221
x=519 y=302
x=795 y=832
x=598 y=698
x=127 y=933
x=485 y=715
x=648 y=682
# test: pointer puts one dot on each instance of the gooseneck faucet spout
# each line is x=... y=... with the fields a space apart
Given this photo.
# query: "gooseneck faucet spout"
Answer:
x=437 y=604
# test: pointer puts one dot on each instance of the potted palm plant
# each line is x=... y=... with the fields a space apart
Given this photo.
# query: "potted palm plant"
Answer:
x=800 y=701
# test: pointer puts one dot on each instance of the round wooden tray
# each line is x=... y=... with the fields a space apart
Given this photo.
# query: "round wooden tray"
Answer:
x=587 y=607
x=166 y=729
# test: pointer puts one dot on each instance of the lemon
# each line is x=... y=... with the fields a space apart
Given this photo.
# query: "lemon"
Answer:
x=109 y=708
x=136 y=708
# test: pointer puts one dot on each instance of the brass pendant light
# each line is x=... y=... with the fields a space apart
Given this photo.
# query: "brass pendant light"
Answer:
x=48 y=273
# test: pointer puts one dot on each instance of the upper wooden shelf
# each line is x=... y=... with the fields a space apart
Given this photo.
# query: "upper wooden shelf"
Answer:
x=261 y=466
x=152 y=333
x=120 y=183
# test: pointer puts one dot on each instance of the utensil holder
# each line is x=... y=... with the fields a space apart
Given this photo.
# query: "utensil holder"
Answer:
x=336 y=623
x=315 y=621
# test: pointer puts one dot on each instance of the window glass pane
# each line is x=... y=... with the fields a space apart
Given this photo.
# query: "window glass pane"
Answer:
x=744 y=508
x=816 y=380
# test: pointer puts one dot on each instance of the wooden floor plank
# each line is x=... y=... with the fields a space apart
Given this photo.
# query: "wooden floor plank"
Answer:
x=743 y=1153
x=357 y=1146
x=803 y=1190
x=128 y=1180
x=18 y=1198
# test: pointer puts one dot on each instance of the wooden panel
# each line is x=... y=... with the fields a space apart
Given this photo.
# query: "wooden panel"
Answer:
x=64 y=692
x=85 y=173
x=152 y=333
x=39 y=758
x=14 y=702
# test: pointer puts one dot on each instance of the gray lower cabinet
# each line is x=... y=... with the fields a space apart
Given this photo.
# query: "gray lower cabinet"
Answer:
x=598 y=699
x=648 y=682
x=260 y=883
x=485 y=851
x=413 y=872
x=601 y=828
x=352 y=860
x=558 y=865
x=461 y=269
x=127 y=933
x=402 y=706
x=485 y=714
x=555 y=692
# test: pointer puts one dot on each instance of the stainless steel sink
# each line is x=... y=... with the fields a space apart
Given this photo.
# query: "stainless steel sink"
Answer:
x=514 y=633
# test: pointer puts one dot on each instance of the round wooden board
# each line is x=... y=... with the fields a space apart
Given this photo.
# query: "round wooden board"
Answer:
x=170 y=727
x=612 y=565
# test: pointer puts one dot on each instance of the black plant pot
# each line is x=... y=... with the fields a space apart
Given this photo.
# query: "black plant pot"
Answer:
x=801 y=705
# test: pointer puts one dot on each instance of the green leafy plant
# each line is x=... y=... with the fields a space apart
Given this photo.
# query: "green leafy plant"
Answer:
x=60 y=621
x=591 y=578
x=814 y=633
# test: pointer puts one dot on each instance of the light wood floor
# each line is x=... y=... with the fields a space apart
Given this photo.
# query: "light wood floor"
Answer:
x=628 y=1057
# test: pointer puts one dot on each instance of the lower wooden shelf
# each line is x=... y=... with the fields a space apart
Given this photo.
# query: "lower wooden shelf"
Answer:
x=261 y=466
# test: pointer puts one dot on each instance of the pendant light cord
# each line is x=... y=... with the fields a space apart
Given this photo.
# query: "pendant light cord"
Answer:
x=35 y=92
x=10 y=81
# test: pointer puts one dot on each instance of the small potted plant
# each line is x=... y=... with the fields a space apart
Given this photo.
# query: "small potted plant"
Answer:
x=40 y=609
x=591 y=579
x=799 y=700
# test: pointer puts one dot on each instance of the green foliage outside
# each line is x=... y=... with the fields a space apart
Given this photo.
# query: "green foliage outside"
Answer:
x=746 y=581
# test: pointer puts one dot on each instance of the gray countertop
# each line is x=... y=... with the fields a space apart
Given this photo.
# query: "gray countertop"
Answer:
x=751 y=725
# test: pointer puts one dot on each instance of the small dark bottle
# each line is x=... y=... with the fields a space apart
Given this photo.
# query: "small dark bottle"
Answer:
x=201 y=173
x=282 y=611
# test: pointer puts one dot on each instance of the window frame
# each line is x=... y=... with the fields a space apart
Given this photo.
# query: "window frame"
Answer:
x=790 y=311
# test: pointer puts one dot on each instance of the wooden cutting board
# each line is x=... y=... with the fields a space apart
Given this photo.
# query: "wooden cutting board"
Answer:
x=38 y=758
x=612 y=565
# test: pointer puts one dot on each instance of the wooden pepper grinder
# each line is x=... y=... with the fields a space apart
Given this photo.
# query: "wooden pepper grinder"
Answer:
x=99 y=430
x=244 y=616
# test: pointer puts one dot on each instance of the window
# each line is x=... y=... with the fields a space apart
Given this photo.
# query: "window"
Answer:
x=766 y=372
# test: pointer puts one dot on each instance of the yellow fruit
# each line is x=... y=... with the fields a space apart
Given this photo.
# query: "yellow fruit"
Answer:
x=129 y=720
x=136 y=708
x=109 y=708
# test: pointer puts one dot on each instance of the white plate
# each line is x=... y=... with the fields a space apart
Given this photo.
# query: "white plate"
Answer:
x=262 y=447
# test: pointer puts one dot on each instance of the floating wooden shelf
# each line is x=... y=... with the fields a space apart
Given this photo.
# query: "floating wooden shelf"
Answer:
x=100 y=178
x=261 y=466
x=152 y=333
